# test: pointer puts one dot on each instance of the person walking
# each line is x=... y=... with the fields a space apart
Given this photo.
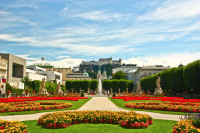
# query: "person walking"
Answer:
x=108 y=93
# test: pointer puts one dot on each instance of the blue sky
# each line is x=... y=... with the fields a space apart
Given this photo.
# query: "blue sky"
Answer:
x=65 y=32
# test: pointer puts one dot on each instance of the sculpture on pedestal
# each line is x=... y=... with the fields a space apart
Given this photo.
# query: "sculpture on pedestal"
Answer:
x=42 y=90
x=158 y=91
x=139 y=91
x=59 y=91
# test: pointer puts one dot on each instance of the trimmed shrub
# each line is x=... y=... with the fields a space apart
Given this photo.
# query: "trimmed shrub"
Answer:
x=192 y=76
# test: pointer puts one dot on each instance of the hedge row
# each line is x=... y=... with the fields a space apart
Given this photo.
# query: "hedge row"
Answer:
x=76 y=85
x=178 y=79
x=116 y=84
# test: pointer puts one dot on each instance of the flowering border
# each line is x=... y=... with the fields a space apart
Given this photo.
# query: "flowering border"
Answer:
x=31 y=106
x=166 y=106
x=185 y=126
x=23 y=99
x=123 y=118
x=12 y=127
x=172 y=99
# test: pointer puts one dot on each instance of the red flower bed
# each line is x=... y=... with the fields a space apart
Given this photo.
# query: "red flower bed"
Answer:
x=23 y=99
x=172 y=99
x=167 y=106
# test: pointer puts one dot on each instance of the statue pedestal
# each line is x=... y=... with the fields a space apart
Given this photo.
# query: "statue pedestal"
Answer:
x=60 y=92
x=43 y=92
x=9 y=95
x=139 y=92
x=158 y=92
x=27 y=94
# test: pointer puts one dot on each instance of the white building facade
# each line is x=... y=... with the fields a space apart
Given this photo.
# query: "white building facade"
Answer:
x=38 y=73
x=145 y=72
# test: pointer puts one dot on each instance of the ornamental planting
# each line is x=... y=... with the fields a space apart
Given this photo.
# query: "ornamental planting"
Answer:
x=31 y=106
x=12 y=127
x=166 y=106
x=122 y=118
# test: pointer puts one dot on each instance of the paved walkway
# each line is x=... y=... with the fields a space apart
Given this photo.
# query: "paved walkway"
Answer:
x=96 y=103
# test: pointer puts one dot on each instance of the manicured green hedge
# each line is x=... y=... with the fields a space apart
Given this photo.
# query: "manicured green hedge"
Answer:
x=81 y=84
x=116 y=84
x=192 y=76
x=177 y=79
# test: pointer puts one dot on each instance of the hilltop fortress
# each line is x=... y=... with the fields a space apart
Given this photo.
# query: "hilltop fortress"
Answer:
x=102 y=61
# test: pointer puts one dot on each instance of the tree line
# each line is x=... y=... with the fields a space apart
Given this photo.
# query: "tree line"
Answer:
x=115 y=84
x=176 y=80
x=76 y=85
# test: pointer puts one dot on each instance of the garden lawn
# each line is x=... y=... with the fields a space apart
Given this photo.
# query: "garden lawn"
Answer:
x=76 y=105
x=121 y=104
x=159 y=126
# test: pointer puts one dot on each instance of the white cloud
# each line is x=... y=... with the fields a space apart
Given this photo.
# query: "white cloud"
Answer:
x=64 y=63
x=60 y=57
x=14 y=38
x=22 y=5
x=174 y=9
x=3 y=13
x=9 y=19
x=27 y=57
x=171 y=59
x=101 y=15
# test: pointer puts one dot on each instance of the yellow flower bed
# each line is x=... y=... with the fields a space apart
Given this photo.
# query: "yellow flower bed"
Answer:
x=123 y=118
x=185 y=126
x=31 y=106
x=12 y=127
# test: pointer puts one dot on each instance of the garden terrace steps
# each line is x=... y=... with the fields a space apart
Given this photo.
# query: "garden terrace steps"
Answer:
x=96 y=103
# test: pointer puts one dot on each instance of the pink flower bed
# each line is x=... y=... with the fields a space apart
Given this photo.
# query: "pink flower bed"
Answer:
x=172 y=99
x=23 y=99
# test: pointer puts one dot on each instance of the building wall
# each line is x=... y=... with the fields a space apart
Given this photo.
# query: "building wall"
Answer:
x=19 y=64
x=124 y=69
x=3 y=74
x=64 y=72
x=51 y=75
x=34 y=76
x=78 y=79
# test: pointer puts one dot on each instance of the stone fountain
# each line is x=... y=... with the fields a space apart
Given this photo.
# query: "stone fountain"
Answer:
x=101 y=77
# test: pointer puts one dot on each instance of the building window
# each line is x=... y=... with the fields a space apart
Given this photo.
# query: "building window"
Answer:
x=149 y=73
x=17 y=70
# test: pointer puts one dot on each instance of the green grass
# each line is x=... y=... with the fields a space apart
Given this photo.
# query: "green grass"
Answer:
x=76 y=105
x=121 y=104
x=159 y=126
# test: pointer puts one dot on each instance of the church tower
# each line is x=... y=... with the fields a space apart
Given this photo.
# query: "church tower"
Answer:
x=99 y=73
x=104 y=74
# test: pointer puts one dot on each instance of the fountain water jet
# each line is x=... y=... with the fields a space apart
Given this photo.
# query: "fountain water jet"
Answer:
x=101 y=77
x=100 y=86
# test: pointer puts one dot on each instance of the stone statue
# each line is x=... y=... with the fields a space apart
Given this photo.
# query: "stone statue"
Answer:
x=59 y=91
x=43 y=91
x=139 y=91
x=158 y=82
x=158 y=91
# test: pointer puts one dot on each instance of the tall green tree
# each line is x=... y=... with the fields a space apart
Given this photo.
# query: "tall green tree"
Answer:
x=27 y=82
x=192 y=76
x=93 y=85
x=119 y=75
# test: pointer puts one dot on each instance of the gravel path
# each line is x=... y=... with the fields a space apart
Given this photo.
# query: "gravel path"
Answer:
x=96 y=103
